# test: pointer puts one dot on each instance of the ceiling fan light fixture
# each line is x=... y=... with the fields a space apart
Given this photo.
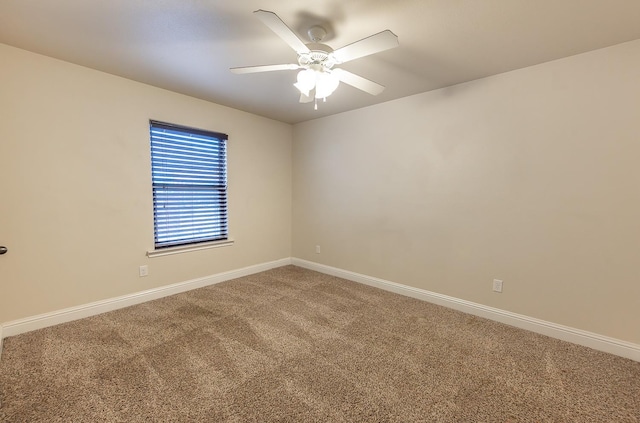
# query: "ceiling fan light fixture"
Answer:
x=301 y=88
x=306 y=81
x=326 y=84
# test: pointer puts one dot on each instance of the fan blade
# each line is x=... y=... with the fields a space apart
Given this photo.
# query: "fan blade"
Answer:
x=264 y=68
x=306 y=98
x=359 y=82
x=374 y=44
x=281 y=29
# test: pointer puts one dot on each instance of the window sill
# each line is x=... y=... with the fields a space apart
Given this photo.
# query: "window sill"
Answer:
x=187 y=248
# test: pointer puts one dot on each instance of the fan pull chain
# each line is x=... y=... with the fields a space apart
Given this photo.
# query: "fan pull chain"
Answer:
x=315 y=102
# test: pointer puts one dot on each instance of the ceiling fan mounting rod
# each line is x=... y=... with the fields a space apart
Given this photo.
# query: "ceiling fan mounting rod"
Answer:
x=316 y=33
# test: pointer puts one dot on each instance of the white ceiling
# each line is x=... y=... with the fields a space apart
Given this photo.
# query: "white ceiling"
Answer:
x=188 y=46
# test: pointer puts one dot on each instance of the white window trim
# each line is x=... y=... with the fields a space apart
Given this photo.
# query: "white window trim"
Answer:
x=188 y=248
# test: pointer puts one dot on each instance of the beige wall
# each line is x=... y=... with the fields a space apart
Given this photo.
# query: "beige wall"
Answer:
x=532 y=177
x=75 y=192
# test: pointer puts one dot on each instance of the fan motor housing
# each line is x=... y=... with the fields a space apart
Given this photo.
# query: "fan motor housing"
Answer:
x=320 y=54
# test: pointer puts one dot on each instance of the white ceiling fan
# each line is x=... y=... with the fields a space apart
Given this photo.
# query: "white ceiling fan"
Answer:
x=318 y=78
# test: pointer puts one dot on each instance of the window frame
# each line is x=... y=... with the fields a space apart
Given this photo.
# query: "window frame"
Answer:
x=182 y=180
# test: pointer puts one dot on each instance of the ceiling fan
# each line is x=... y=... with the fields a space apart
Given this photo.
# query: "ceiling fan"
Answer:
x=318 y=77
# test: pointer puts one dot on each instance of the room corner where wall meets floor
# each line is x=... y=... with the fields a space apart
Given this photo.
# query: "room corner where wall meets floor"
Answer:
x=584 y=338
x=291 y=344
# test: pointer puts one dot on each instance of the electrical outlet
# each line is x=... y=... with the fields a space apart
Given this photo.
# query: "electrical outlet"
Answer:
x=144 y=270
x=317 y=249
x=497 y=285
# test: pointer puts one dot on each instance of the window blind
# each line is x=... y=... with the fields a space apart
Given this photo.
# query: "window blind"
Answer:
x=189 y=175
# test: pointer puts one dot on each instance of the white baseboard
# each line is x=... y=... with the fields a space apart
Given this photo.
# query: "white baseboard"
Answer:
x=28 y=324
x=565 y=333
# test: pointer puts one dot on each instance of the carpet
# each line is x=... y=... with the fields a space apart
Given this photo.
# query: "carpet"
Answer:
x=293 y=345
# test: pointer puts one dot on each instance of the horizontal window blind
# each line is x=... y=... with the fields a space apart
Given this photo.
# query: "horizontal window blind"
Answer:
x=189 y=173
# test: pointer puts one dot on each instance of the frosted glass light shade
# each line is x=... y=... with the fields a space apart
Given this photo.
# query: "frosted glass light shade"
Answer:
x=326 y=84
x=306 y=81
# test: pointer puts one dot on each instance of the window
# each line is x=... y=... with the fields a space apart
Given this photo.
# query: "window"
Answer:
x=189 y=174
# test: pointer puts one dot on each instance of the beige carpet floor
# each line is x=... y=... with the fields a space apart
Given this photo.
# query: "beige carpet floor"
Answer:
x=292 y=345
